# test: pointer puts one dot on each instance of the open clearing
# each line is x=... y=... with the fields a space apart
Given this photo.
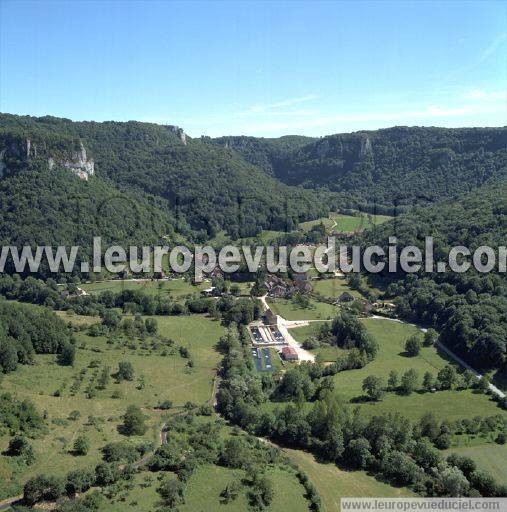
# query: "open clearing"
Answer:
x=203 y=492
x=489 y=457
x=290 y=311
x=348 y=223
x=333 y=287
x=391 y=337
x=332 y=483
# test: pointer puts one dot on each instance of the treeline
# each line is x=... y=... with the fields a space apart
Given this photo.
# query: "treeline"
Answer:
x=378 y=170
x=25 y=331
x=469 y=309
x=191 y=443
x=389 y=446
x=228 y=309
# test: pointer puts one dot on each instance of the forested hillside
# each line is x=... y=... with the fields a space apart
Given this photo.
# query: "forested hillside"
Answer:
x=470 y=308
x=266 y=153
x=385 y=168
x=203 y=187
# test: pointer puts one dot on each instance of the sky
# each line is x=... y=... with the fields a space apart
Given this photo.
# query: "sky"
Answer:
x=257 y=68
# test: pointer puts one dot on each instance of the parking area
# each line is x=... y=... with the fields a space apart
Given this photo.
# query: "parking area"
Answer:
x=277 y=335
x=256 y=335
x=262 y=359
x=266 y=335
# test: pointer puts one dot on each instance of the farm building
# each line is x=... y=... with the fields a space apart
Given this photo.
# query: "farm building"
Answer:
x=289 y=354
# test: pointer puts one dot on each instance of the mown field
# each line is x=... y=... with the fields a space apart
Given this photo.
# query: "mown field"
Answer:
x=164 y=373
x=391 y=337
x=348 y=223
x=333 y=287
x=290 y=311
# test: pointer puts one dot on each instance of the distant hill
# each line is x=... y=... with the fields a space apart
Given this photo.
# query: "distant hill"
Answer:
x=395 y=166
x=195 y=188
x=470 y=309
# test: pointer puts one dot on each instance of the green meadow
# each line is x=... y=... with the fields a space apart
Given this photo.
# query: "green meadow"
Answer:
x=333 y=287
x=333 y=483
x=290 y=311
x=488 y=457
x=175 y=288
x=165 y=375
x=360 y=221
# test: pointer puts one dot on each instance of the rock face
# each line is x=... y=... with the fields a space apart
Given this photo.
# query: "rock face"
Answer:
x=79 y=164
x=16 y=153
x=179 y=132
x=366 y=146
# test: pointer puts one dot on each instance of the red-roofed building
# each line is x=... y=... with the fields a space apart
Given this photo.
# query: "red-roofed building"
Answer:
x=289 y=354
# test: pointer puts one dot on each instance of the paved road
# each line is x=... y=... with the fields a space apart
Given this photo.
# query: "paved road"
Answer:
x=450 y=353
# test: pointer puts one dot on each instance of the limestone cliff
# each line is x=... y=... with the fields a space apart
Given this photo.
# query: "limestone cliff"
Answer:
x=16 y=152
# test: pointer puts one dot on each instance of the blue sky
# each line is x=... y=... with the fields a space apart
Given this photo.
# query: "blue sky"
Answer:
x=257 y=68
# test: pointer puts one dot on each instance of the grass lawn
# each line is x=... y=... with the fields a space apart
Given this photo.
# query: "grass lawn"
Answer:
x=317 y=310
x=165 y=377
x=347 y=223
x=391 y=337
x=489 y=457
x=307 y=226
x=173 y=287
x=324 y=352
x=332 y=483
x=333 y=287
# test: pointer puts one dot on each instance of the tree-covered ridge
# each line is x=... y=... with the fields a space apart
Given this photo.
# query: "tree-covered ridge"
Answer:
x=266 y=153
x=469 y=308
x=207 y=188
x=400 y=165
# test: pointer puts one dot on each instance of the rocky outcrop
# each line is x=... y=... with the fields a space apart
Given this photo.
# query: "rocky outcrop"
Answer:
x=366 y=147
x=179 y=132
x=15 y=154
x=79 y=164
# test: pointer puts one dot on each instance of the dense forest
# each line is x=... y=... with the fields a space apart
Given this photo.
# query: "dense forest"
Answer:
x=202 y=188
x=384 y=168
x=469 y=308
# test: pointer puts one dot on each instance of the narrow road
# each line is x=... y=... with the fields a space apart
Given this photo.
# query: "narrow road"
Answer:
x=449 y=352
x=6 y=504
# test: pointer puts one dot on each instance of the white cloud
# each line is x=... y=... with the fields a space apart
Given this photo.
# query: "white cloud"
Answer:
x=290 y=102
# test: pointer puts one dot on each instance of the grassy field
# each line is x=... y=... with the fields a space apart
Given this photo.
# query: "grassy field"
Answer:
x=345 y=223
x=332 y=483
x=176 y=288
x=323 y=353
x=391 y=337
x=333 y=287
x=203 y=492
x=348 y=223
x=317 y=310
x=489 y=457
x=307 y=226
x=165 y=377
